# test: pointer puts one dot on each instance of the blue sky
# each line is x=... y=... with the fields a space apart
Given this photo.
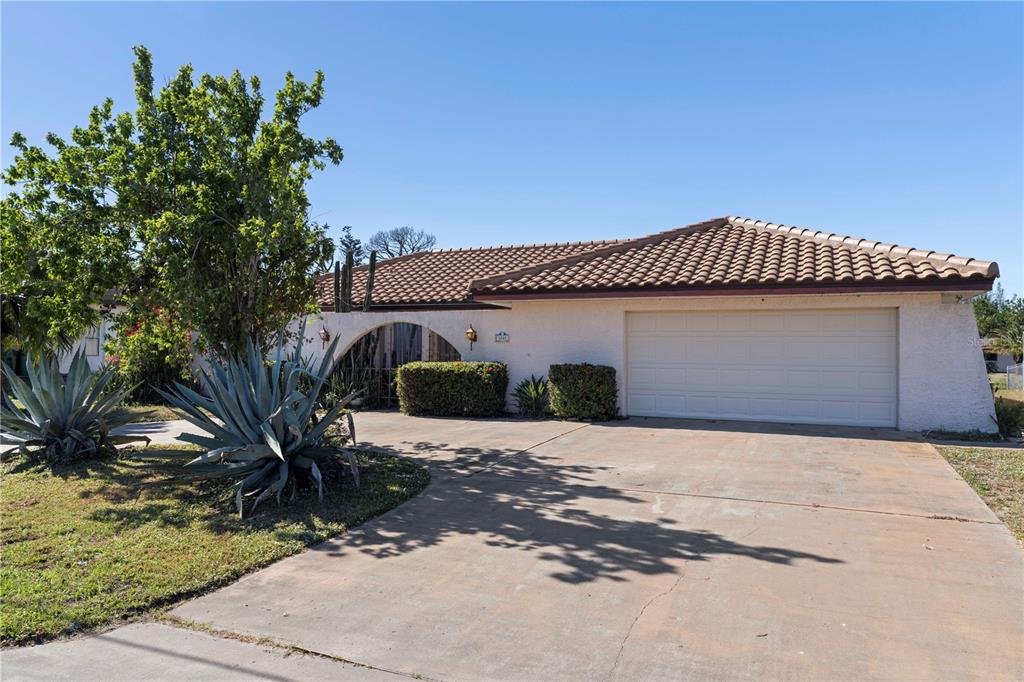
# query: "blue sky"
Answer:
x=501 y=123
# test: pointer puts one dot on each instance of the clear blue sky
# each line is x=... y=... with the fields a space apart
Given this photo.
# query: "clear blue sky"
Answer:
x=498 y=123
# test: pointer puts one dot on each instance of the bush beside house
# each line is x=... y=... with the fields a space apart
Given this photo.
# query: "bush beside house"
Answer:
x=583 y=391
x=452 y=388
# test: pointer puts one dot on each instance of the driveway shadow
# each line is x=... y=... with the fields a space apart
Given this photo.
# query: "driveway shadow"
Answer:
x=777 y=428
x=533 y=504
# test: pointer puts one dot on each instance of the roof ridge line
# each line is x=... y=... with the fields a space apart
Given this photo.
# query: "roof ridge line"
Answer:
x=988 y=268
x=622 y=245
x=466 y=249
x=463 y=249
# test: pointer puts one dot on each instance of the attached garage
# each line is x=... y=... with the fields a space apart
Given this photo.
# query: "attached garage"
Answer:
x=804 y=366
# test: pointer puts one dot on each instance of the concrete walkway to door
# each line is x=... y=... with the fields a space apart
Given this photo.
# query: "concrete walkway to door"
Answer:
x=651 y=549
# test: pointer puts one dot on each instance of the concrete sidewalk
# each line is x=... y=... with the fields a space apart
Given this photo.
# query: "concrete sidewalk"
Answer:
x=165 y=433
x=154 y=651
x=159 y=433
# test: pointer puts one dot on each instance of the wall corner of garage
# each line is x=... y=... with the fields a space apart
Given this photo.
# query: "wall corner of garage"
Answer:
x=943 y=383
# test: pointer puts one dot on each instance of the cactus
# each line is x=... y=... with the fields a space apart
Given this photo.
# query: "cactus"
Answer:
x=346 y=290
x=337 y=286
x=368 y=300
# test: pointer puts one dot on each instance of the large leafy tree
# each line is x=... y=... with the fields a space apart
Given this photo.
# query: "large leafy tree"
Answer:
x=199 y=198
x=64 y=245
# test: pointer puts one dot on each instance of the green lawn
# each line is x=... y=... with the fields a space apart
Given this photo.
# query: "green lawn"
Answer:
x=104 y=541
x=997 y=475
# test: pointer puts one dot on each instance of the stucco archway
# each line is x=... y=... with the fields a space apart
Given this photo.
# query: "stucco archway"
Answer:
x=369 y=348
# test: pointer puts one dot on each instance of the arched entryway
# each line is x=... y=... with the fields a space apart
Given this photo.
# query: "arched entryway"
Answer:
x=370 y=363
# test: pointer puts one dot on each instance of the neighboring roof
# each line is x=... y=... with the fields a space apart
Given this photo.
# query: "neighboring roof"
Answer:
x=715 y=255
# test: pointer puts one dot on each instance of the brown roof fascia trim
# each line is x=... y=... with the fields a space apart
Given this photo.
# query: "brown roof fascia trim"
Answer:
x=976 y=285
x=625 y=245
x=400 y=307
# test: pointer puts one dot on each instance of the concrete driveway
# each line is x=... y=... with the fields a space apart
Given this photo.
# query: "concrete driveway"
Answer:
x=638 y=549
x=655 y=549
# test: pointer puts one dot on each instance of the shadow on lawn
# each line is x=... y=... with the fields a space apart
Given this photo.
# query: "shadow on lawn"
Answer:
x=527 y=502
x=177 y=503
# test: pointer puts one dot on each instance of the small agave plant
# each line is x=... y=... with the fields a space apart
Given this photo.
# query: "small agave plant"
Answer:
x=61 y=419
x=261 y=424
x=531 y=396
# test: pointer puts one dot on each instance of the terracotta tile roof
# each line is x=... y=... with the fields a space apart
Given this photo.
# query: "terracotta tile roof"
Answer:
x=720 y=253
x=438 y=277
x=738 y=252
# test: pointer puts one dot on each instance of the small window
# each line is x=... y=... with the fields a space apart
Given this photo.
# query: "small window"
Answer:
x=92 y=342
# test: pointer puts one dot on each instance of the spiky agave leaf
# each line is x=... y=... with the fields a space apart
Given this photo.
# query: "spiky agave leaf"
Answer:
x=259 y=422
x=62 y=418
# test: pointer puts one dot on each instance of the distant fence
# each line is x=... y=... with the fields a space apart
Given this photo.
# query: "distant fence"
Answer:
x=1015 y=377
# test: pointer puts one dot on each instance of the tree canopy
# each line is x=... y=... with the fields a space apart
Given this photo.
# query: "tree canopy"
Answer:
x=1001 y=319
x=400 y=241
x=195 y=201
x=347 y=242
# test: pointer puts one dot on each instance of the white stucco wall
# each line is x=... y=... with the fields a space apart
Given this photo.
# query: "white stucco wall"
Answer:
x=942 y=379
x=106 y=333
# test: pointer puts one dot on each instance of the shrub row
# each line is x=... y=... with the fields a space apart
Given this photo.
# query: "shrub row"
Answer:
x=452 y=388
x=576 y=391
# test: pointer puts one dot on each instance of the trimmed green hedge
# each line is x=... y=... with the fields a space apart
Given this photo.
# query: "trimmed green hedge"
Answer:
x=583 y=391
x=452 y=388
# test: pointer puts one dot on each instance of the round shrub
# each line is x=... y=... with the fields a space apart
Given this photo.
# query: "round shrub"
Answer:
x=452 y=388
x=583 y=391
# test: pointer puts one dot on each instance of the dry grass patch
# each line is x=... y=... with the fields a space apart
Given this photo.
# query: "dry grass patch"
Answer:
x=997 y=475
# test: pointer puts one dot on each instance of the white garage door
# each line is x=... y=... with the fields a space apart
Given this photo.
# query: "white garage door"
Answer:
x=810 y=366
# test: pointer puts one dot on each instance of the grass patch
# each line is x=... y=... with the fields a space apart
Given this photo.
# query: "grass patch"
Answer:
x=106 y=540
x=1015 y=396
x=997 y=475
x=152 y=413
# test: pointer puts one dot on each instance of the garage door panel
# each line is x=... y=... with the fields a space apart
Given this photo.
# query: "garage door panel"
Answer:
x=881 y=383
x=732 y=351
x=734 y=323
x=763 y=324
x=876 y=352
x=802 y=366
x=761 y=376
x=875 y=321
x=803 y=379
x=880 y=412
x=694 y=322
x=803 y=322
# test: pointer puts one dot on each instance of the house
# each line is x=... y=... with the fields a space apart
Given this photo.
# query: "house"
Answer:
x=729 y=318
x=995 y=360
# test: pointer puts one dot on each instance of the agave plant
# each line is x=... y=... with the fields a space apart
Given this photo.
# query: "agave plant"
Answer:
x=261 y=425
x=62 y=419
x=531 y=396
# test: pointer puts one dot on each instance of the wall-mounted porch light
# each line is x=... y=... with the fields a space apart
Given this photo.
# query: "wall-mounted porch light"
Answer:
x=471 y=335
